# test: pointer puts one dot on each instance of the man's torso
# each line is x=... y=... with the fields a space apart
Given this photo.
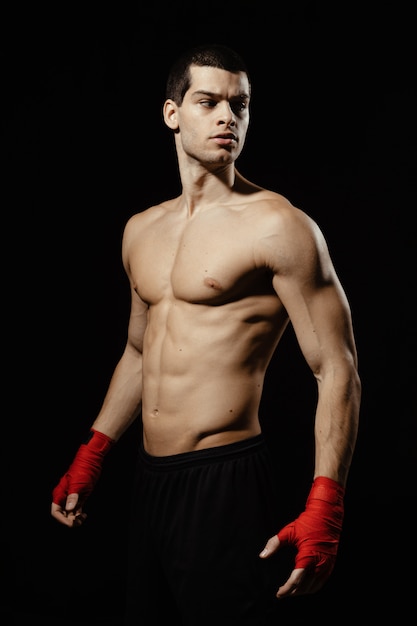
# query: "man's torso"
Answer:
x=214 y=322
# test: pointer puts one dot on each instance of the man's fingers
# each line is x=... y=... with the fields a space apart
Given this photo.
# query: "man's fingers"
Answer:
x=72 y=515
x=68 y=518
x=293 y=586
x=72 y=501
x=62 y=516
x=271 y=546
x=77 y=518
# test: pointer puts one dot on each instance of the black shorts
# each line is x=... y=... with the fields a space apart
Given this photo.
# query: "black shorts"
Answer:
x=199 y=522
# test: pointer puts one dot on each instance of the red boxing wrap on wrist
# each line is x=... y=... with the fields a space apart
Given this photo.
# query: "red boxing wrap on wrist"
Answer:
x=316 y=532
x=85 y=469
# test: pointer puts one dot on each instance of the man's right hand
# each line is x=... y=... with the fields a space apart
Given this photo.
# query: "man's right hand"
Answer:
x=71 y=514
x=79 y=481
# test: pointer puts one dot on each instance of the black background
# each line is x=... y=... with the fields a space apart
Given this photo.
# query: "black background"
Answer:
x=84 y=146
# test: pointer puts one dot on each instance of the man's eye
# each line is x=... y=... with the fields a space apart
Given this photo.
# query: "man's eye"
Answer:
x=239 y=106
x=208 y=103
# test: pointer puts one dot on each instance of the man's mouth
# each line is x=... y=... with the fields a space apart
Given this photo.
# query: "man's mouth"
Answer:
x=225 y=139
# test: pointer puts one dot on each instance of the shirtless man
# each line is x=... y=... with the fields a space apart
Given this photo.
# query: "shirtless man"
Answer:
x=216 y=275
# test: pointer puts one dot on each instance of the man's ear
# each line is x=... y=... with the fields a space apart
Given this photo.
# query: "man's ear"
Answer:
x=170 y=114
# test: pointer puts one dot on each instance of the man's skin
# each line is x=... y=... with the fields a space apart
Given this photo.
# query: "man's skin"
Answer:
x=216 y=275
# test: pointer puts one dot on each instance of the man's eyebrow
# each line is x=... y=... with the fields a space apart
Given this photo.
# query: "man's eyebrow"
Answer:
x=211 y=94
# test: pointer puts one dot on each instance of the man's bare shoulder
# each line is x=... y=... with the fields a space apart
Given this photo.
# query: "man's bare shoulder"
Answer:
x=151 y=213
x=285 y=234
x=266 y=199
x=275 y=211
x=257 y=198
x=144 y=218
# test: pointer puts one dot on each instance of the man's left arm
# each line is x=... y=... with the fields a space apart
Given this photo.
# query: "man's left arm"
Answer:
x=307 y=284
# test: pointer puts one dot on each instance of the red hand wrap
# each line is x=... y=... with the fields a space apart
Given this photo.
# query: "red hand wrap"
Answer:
x=85 y=469
x=316 y=532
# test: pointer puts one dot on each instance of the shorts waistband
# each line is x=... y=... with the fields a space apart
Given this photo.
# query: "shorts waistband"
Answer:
x=206 y=455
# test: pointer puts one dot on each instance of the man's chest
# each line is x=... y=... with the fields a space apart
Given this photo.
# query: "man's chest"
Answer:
x=200 y=263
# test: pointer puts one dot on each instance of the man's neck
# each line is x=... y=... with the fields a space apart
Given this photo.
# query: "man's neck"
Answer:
x=203 y=187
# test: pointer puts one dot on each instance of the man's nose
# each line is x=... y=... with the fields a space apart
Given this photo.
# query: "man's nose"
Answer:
x=226 y=115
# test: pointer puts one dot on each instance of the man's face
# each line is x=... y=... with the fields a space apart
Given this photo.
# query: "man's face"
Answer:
x=214 y=115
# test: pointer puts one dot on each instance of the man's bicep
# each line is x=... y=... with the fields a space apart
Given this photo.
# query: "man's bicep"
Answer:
x=320 y=315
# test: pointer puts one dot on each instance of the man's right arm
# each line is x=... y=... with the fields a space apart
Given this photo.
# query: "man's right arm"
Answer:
x=121 y=406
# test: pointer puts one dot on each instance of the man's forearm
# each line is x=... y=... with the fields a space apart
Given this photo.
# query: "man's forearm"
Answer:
x=336 y=428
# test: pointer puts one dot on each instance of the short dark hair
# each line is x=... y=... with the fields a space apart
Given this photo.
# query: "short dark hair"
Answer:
x=211 y=55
